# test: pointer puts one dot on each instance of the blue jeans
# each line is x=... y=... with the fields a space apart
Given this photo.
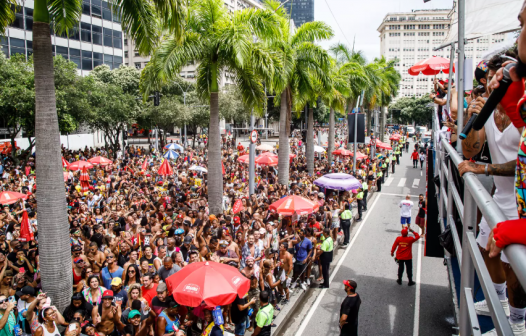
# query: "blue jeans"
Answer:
x=241 y=327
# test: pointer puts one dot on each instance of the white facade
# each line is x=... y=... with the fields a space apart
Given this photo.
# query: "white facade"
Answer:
x=133 y=58
x=97 y=39
x=411 y=37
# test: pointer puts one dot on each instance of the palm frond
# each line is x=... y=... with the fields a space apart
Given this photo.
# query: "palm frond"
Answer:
x=173 y=15
x=65 y=13
x=312 y=32
x=7 y=13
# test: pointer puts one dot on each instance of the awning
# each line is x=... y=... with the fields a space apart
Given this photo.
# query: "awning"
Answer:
x=485 y=17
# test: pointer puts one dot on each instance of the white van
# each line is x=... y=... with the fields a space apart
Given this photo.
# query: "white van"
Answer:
x=410 y=131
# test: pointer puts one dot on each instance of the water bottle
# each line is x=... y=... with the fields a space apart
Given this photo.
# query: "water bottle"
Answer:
x=218 y=316
x=250 y=311
x=17 y=330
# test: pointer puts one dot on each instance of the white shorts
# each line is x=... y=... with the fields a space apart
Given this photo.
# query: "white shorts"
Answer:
x=483 y=237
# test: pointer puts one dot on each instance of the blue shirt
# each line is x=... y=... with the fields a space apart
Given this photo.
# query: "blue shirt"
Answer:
x=107 y=276
x=303 y=248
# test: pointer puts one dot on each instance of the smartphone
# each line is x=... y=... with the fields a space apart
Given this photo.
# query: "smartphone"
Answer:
x=72 y=327
x=12 y=299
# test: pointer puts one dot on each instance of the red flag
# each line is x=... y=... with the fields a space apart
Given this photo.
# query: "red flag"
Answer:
x=26 y=233
x=144 y=165
x=223 y=167
x=238 y=206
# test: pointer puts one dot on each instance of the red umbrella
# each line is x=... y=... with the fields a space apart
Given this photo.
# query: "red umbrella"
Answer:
x=214 y=283
x=26 y=232
x=431 y=66
x=290 y=205
x=382 y=145
x=360 y=156
x=10 y=197
x=66 y=176
x=78 y=165
x=395 y=137
x=243 y=158
x=100 y=160
x=342 y=152
x=267 y=160
x=64 y=162
x=292 y=156
x=165 y=168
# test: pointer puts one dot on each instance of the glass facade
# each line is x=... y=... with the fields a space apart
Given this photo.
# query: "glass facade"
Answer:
x=84 y=33
x=301 y=11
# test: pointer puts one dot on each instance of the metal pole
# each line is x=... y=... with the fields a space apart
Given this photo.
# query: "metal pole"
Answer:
x=251 y=158
x=355 y=139
x=185 y=137
x=467 y=268
x=450 y=78
x=460 y=70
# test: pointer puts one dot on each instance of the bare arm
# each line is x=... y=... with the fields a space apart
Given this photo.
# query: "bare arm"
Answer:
x=472 y=145
x=504 y=169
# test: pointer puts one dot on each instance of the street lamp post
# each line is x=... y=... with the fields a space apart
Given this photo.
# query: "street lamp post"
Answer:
x=251 y=157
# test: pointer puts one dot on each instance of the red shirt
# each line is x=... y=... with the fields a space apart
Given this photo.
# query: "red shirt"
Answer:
x=149 y=294
x=404 y=245
x=414 y=156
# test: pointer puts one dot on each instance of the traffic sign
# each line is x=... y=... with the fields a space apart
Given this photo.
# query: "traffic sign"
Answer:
x=254 y=136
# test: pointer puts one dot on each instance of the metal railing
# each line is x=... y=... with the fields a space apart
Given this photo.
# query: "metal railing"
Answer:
x=466 y=249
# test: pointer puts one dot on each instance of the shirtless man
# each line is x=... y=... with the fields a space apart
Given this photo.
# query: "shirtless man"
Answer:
x=285 y=263
x=95 y=257
x=250 y=269
x=109 y=314
x=6 y=279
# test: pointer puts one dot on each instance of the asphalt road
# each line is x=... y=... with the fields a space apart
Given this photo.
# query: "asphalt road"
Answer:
x=387 y=308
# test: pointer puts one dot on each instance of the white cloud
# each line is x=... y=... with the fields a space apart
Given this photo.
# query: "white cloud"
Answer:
x=361 y=19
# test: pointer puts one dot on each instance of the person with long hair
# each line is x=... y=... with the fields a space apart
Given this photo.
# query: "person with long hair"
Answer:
x=267 y=281
x=83 y=283
x=79 y=304
x=135 y=293
x=131 y=276
x=93 y=294
x=48 y=319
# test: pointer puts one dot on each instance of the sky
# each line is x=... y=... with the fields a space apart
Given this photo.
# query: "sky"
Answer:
x=361 y=18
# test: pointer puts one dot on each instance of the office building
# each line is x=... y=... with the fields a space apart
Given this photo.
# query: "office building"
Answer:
x=301 y=11
x=411 y=37
x=96 y=40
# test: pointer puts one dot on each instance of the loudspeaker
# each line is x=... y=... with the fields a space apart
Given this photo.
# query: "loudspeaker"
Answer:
x=360 y=129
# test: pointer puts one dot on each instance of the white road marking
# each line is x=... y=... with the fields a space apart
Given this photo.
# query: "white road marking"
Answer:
x=389 y=181
x=416 y=182
x=392 y=315
x=334 y=272
x=420 y=173
x=416 y=323
x=401 y=183
x=400 y=195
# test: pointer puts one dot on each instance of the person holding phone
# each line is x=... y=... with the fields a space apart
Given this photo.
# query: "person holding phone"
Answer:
x=7 y=317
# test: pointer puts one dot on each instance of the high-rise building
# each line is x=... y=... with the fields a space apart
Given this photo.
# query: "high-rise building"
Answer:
x=301 y=11
x=133 y=58
x=96 y=40
x=411 y=37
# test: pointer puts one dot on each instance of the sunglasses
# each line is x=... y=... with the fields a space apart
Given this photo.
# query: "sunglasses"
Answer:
x=3 y=301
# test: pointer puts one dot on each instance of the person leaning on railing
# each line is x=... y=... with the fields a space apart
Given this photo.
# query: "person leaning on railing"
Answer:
x=502 y=140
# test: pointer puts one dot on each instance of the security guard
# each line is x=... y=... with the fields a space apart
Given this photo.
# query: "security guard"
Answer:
x=326 y=256
x=365 y=188
x=346 y=225
x=361 y=205
x=397 y=154
x=264 y=316
x=386 y=163
x=379 y=179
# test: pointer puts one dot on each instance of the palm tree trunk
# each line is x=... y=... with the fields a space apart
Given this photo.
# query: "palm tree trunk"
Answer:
x=331 y=135
x=310 y=141
x=215 y=172
x=283 y=154
x=53 y=226
x=382 y=124
x=369 y=115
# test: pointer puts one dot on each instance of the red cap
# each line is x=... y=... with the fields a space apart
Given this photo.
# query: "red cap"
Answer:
x=77 y=259
x=237 y=220
x=108 y=294
x=405 y=232
x=347 y=283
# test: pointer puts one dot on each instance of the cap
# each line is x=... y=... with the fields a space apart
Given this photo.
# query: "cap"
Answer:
x=161 y=287
x=262 y=231
x=322 y=195
x=223 y=243
x=116 y=282
x=26 y=290
x=133 y=313
x=350 y=283
x=187 y=239
x=179 y=232
x=108 y=294
x=77 y=260
x=212 y=217
x=237 y=220
x=180 y=216
x=271 y=223
x=405 y=232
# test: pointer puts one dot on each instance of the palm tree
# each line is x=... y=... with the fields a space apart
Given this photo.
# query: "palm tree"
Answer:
x=335 y=97
x=301 y=61
x=221 y=42
x=142 y=23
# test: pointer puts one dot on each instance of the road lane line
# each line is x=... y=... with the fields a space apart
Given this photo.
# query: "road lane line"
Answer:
x=401 y=183
x=389 y=181
x=399 y=195
x=416 y=182
x=334 y=272
x=416 y=323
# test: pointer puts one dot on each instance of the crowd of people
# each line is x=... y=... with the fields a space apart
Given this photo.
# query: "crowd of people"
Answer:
x=131 y=229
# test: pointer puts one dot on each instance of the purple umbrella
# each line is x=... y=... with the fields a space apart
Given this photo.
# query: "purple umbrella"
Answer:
x=338 y=181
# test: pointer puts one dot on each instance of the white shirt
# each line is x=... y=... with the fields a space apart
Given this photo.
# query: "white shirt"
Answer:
x=405 y=208
x=422 y=157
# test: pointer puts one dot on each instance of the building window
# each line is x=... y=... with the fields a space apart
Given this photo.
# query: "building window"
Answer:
x=125 y=42
x=138 y=66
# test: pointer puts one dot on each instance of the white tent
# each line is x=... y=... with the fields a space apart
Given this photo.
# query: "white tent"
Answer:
x=486 y=17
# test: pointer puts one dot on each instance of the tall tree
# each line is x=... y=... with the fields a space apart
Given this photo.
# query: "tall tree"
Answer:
x=143 y=25
x=220 y=41
x=301 y=62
